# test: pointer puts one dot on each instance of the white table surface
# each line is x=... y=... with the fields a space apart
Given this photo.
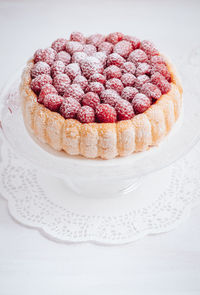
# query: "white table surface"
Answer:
x=31 y=264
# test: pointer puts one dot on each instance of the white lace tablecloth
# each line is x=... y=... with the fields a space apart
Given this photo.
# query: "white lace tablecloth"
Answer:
x=31 y=264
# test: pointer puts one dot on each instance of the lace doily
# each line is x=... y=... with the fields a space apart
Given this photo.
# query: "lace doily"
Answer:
x=45 y=203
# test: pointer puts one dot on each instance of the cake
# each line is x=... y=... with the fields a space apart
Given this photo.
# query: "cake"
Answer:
x=100 y=96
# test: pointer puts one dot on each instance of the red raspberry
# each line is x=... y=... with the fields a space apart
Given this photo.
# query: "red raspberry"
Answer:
x=162 y=69
x=141 y=103
x=81 y=80
x=86 y=115
x=98 y=78
x=105 y=114
x=157 y=59
x=110 y=96
x=95 y=87
x=69 y=108
x=47 y=55
x=128 y=93
x=90 y=66
x=128 y=79
x=95 y=39
x=123 y=48
x=73 y=70
x=75 y=91
x=161 y=82
x=106 y=47
x=40 y=68
x=142 y=69
x=53 y=102
x=46 y=89
x=112 y=72
x=128 y=67
x=73 y=46
x=115 y=84
x=101 y=56
x=58 y=67
x=140 y=80
x=38 y=82
x=151 y=90
x=124 y=110
x=91 y=99
x=133 y=40
x=59 y=44
x=78 y=37
x=89 y=49
x=149 y=48
x=64 y=57
x=115 y=59
x=137 y=56
x=114 y=38
x=78 y=57
x=61 y=82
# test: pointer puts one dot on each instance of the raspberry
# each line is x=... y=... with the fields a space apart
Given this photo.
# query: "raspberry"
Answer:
x=123 y=48
x=106 y=47
x=73 y=70
x=58 y=67
x=142 y=69
x=140 y=80
x=128 y=93
x=69 y=108
x=46 y=89
x=91 y=99
x=115 y=59
x=90 y=66
x=53 y=102
x=78 y=57
x=89 y=49
x=98 y=78
x=86 y=115
x=101 y=56
x=47 y=55
x=162 y=69
x=151 y=90
x=157 y=59
x=112 y=72
x=40 y=68
x=81 y=80
x=38 y=82
x=75 y=91
x=128 y=79
x=128 y=67
x=64 y=57
x=78 y=37
x=137 y=56
x=73 y=46
x=149 y=48
x=161 y=82
x=110 y=96
x=95 y=39
x=61 y=82
x=105 y=114
x=124 y=110
x=115 y=84
x=114 y=38
x=59 y=44
x=96 y=87
x=140 y=103
x=135 y=42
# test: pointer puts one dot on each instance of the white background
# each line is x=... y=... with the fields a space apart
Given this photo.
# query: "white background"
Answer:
x=29 y=263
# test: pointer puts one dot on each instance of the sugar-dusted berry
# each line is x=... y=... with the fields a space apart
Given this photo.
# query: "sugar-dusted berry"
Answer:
x=142 y=69
x=47 y=55
x=95 y=87
x=115 y=84
x=61 y=82
x=74 y=91
x=64 y=57
x=46 y=89
x=95 y=39
x=98 y=78
x=59 y=44
x=58 y=67
x=162 y=69
x=135 y=42
x=78 y=37
x=140 y=103
x=73 y=46
x=151 y=90
x=115 y=59
x=128 y=67
x=157 y=59
x=40 y=68
x=53 y=101
x=81 y=80
x=38 y=82
x=140 y=80
x=106 y=47
x=72 y=70
x=86 y=114
x=128 y=93
x=137 y=56
x=89 y=49
x=149 y=48
x=110 y=96
x=69 y=108
x=115 y=37
x=112 y=72
x=128 y=79
x=105 y=113
x=123 y=48
x=124 y=110
x=78 y=57
x=161 y=82
x=101 y=56
x=90 y=66
x=91 y=99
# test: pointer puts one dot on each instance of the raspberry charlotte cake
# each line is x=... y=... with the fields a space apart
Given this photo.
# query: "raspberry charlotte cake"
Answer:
x=100 y=96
